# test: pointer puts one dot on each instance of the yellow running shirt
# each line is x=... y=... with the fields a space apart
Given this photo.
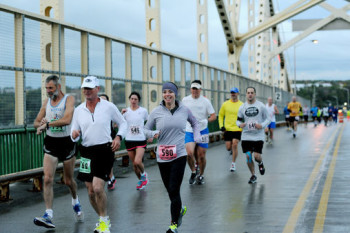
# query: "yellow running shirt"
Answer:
x=229 y=111
x=294 y=107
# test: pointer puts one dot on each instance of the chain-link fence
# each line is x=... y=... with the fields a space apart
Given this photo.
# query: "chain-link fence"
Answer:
x=33 y=47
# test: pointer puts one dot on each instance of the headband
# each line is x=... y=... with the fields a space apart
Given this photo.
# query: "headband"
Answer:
x=170 y=86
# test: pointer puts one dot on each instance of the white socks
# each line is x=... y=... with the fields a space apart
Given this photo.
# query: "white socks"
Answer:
x=49 y=212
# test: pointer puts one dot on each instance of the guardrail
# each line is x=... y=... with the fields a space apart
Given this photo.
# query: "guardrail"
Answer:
x=37 y=173
x=21 y=150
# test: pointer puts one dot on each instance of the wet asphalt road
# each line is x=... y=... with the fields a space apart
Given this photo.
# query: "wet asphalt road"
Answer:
x=305 y=189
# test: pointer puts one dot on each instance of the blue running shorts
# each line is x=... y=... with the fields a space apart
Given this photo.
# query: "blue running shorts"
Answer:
x=205 y=137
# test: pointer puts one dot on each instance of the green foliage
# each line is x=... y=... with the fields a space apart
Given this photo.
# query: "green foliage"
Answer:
x=327 y=94
x=7 y=109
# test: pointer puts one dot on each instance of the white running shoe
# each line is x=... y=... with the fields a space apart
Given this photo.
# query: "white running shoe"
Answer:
x=233 y=167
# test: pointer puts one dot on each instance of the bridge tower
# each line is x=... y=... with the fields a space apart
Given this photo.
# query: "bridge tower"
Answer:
x=153 y=70
x=52 y=42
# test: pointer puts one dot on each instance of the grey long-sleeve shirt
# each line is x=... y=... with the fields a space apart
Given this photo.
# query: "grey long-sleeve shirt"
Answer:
x=252 y=114
x=171 y=128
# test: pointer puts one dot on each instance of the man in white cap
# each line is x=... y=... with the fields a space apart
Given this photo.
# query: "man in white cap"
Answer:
x=92 y=123
x=201 y=108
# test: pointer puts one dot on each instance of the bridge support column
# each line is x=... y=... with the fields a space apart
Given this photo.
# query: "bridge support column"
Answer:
x=108 y=67
x=153 y=39
x=202 y=31
x=84 y=57
x=52 y=40
x=19 y=76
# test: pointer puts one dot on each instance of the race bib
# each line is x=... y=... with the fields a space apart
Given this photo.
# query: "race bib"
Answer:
x=134 y=130
x=56 y=129
x=85 y=165
x=252 y=125
x=167 y=152
x=205 y=138
x=287 y=116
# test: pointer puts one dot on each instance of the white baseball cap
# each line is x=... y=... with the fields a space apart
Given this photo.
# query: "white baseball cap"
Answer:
x=90 y=82
x=196 y=85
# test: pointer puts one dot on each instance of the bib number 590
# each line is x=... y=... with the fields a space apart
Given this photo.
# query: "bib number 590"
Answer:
x=167 y=152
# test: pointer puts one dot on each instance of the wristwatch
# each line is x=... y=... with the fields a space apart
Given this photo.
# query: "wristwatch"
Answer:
x=47 y=125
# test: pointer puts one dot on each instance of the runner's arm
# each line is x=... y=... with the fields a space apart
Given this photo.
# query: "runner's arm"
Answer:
x=41 y=115
x=221 y=116
x=240 y=118
x=212 y=117
x=68 y=114
x=195 y=126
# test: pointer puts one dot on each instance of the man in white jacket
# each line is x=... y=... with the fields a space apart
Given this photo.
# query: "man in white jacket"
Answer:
x=92 y=123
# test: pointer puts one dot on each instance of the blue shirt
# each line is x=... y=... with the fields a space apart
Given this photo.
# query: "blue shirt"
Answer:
x=314 y=111
x=285 y=110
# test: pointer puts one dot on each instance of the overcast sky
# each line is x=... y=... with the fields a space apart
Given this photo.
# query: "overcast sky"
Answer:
x=329 y=59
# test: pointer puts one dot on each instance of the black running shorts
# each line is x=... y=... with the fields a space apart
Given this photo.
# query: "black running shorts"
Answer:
x=230 y=135
x=95 y=161
x=252 y=146
x=133 y=145
x=62 y=148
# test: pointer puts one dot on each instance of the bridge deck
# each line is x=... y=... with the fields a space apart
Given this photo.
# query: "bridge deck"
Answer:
x=305 y=187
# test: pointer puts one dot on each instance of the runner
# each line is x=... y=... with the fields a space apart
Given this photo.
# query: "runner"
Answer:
x=306 y=112
x=335 y=115
x=294 y=108
x=112 y=180
x=92 y=123
x=135 y=140
x=286 y=116
x=227 y=122
x=325 y=115
x=272 y=111
x=170 y=119
x=201 y=108
x=330 y=113
x=314 y=111
x=55 y=118
x=253 y=118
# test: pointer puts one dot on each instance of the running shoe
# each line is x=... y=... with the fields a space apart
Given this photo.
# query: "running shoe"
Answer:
x=193 y=178
x=111 y=184
x=266 y=137
x=252 y=179
x=182 y=213
x=261 y=168
x=44 y=221
x=172 y=228
x=139 y=185
x=142 y=182
x=233 y=167
x=197 y=170
x=200 y=180
x=79 y=215
x=102 y=227
x=294 y=135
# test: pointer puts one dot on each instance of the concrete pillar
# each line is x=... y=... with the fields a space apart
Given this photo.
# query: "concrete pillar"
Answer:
x=51 y=40
x=108 y=67
x=202 y=31
x=84 y=57
x=19 y=77
x=153 y=39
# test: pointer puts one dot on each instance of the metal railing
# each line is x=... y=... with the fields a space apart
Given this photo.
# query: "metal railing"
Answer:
x=33 y=46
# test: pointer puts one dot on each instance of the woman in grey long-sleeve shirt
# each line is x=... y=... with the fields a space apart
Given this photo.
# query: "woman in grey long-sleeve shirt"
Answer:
x=170 y=119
